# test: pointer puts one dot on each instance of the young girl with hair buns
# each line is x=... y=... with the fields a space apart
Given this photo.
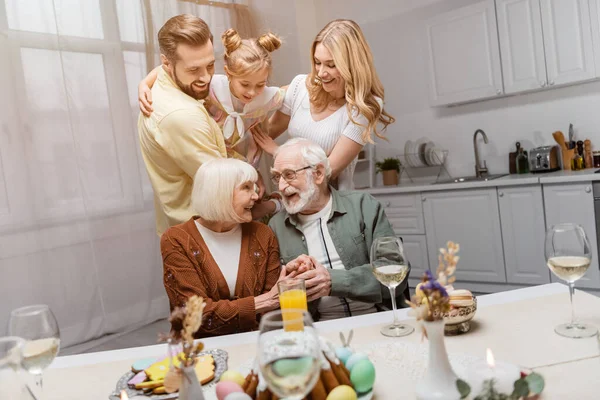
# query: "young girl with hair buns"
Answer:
x=239 y=99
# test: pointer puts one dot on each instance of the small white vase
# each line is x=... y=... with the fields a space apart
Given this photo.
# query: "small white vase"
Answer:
x=190 y=388
x=439 y=382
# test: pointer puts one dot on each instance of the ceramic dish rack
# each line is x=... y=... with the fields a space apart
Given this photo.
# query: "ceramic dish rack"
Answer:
x=424 y=167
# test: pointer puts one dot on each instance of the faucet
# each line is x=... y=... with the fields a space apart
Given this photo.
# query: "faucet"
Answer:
x=479 y=171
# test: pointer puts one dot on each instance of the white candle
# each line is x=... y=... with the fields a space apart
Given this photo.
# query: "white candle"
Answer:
x=125 y=397
x=503 y=374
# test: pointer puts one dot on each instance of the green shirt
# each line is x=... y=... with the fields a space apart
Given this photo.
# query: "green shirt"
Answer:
x=356 y=219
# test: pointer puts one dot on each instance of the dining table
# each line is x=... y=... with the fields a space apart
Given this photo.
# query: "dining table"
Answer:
x=517 y=325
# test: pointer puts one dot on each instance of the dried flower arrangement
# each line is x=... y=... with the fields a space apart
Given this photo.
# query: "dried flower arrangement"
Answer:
x=185 y=321
x=431 y=300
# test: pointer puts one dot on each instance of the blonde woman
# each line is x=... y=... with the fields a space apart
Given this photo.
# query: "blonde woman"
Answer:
x=339 y=105
x=221 y=254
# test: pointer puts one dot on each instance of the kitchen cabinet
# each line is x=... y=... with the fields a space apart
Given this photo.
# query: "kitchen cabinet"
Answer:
x=464 y=57
x=472 y=219
x=523 y=234
x=415 y=248
x=521 y=45
x=567 y=41
x=595 y=22
x=544 y=43
x=574 y=203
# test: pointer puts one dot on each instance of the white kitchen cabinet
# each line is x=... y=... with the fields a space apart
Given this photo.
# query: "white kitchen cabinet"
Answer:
x=464 y=57
x=470 y=218
x=567 y=41
x=415 y=248
x=405 y=213
x=574 y=203
x=521 y=45
x=595 y=22
x=523 y=233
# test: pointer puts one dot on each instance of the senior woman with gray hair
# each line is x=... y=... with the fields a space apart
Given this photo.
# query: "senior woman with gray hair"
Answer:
x=221 y=254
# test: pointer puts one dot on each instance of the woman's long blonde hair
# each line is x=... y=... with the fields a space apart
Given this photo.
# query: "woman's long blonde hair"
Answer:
x=353 y=58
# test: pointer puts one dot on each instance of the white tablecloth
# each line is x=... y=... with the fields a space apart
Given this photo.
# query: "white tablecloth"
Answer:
x=516 y=325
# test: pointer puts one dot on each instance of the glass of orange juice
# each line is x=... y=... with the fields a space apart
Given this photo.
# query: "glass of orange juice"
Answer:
x=292 y=297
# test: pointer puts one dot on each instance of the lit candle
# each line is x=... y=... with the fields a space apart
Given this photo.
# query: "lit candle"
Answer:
x=125 y=397
x=503 y=374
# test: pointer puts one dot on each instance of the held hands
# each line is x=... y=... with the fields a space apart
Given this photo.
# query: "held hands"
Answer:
x=270 y=300
x=317 y=281
x=145 y=98
x=263 y=140
x=300 y=265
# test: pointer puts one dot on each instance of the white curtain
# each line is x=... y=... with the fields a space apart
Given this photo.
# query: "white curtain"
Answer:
x=76 y=214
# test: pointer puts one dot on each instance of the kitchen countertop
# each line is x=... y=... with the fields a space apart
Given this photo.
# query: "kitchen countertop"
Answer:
x=587 y=175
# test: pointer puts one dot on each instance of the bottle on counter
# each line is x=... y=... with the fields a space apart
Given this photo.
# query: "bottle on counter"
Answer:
x=596 y=156
x=522 y=162
x=588 y=159
x=577 y=162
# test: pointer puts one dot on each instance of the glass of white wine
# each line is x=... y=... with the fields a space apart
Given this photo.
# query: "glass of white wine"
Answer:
x=12 y=385
x=568 y=255
x=290 y=360
x=37 y=325
x=391 y=268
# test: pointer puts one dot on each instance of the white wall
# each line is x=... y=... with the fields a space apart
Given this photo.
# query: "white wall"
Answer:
x=395 y=30
x=294 y=21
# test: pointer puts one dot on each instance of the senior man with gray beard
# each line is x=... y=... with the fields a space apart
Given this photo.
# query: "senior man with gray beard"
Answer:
x=325 y=235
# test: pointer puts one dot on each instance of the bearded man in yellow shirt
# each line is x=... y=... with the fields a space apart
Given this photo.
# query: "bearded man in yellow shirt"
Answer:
x=180 y=135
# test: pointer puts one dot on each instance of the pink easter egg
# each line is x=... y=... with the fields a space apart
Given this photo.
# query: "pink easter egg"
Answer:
x=225 y=388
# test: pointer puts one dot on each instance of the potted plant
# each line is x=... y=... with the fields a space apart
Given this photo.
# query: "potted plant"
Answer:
x=390 y=169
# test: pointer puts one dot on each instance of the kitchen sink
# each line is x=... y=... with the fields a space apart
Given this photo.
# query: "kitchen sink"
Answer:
x=470 y=179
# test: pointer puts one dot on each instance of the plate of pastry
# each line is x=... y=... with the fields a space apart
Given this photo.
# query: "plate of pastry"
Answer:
x=146 y=377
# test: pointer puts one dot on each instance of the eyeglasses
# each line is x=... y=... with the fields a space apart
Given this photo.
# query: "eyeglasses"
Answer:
x=287 y=174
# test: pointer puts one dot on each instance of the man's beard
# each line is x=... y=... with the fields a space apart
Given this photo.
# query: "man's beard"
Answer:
x=307 y=197
x=187 y=89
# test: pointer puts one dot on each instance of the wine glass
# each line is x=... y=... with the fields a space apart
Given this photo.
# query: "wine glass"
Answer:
x=289 y=359
x=390 y=267
x=568 y=255
x=37 y=325
x=11 y=384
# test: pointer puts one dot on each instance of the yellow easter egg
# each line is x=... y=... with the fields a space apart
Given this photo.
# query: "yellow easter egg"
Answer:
x=342 y=392
x=233 y=376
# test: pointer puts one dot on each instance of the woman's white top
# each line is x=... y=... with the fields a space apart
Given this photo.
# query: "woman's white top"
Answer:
x=325 y=132
x=225 y=248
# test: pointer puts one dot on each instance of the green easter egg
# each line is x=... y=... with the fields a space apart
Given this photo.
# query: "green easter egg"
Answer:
x=362 y=376
x=292 y=366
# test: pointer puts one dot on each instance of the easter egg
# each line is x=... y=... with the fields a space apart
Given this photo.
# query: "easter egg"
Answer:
x=353 y=359
x=292 y=366
x=362 y=376
x=225 y=388
x=233 y=376
x=343 y=353
x=342 y=392
x=238 y=396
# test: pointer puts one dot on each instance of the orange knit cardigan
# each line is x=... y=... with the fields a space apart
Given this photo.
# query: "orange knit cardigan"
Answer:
x=189 y=269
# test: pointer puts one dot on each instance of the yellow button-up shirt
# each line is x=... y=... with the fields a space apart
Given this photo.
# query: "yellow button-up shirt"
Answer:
x=175 y=140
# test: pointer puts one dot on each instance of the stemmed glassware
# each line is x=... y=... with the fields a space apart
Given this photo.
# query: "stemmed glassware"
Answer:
x=38 y=327
x=289 y=359
x=568 y=255
x=11 y=384
x=391 y=268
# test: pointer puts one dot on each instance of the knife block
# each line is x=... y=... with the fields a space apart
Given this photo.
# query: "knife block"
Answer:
x=567 y=156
